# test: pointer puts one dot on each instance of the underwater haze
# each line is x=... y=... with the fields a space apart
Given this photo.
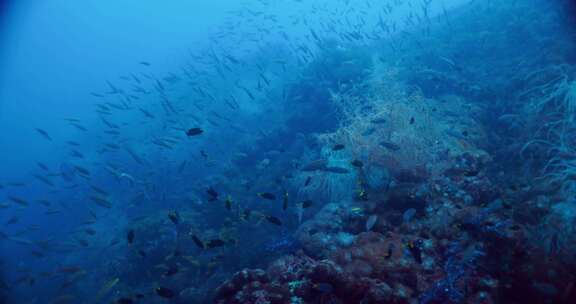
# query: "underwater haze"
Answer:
x=287 y=151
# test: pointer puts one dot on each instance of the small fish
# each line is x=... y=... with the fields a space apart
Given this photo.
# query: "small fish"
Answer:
x=324 y=287
x=267 y=196
x=124 y=301
x=380 y=120
x=198 y=242
x=194 y=132
x=212 y=194
x=371 y=222
x=18 y=201
x=315 y=165
x=412 y=120
x=174 y=217
x=357 y=163
x=338 y=147
x=415 y=248
x=130 y=236
x=308 y=181
x=337 y=170
x=44 y=134
x=306 y=204
x=43 y=166
x=390 y=146
x=285 y=202
x=145 y=63
x=171 y=271
x=165 y=292
x=215 y=243
x=274 y=220
x=106 y=289
x=103 y=202
x=408 y=215
x=228 y=203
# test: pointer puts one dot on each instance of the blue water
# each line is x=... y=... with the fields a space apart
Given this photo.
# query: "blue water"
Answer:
x=171 y=144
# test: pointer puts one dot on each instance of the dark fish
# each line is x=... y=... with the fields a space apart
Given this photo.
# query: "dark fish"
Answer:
x=44 y=134
x=165 y=292
x=306 y=204
x=274 y=220
x=130 y=236
x=338 y=147
x=212 y=194
x=324 y=287
x=146 y=63
x=171 y=271
x=357 y=163
x=215 y=243
x=194 y=132
x=267 y=196
x=124 y=301
x=203 y=153
x=315 y=165
x=308 y=181
x=18 y=201
x=81 y=170
x=198 y=242
x=285 y=203
x=337 y=170
x=228 y=204
x=412 y=120
x=390 y=146
x=415 y=248
x=378 y=120
x=103 y=202
x=174 y=217
x=369 y=132
x=43 y=179
x=43 y=166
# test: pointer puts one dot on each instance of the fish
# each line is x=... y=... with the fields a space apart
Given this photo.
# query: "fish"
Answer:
x=285 y=201
x=125 y=301
x=371 y=222
x=43 y=166
x=198 y=242
x=274 y=220
x=390 y=146
x=44 y=134
x=415 y=248
x=306 y=204
x=337 y=170
x=130 y=236
x=315 y=165
x=103 y=202
x=338 y=147
x=308 y=181
x=82 y=170
x=408 y=215
x=412 y=120
x=43 y=179
x=145 y=63
x=212 y=194
x=194 y=132
x=228 y=203
x=165 y=292
x=18 y=201
x=380 y=120
x=267 y=196
x=357 y=163
x=105 y=289
x=323 y=287
x=214 y=243
x=174 y=217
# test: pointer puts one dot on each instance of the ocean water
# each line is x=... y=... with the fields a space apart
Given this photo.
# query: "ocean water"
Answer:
x=287 y=151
